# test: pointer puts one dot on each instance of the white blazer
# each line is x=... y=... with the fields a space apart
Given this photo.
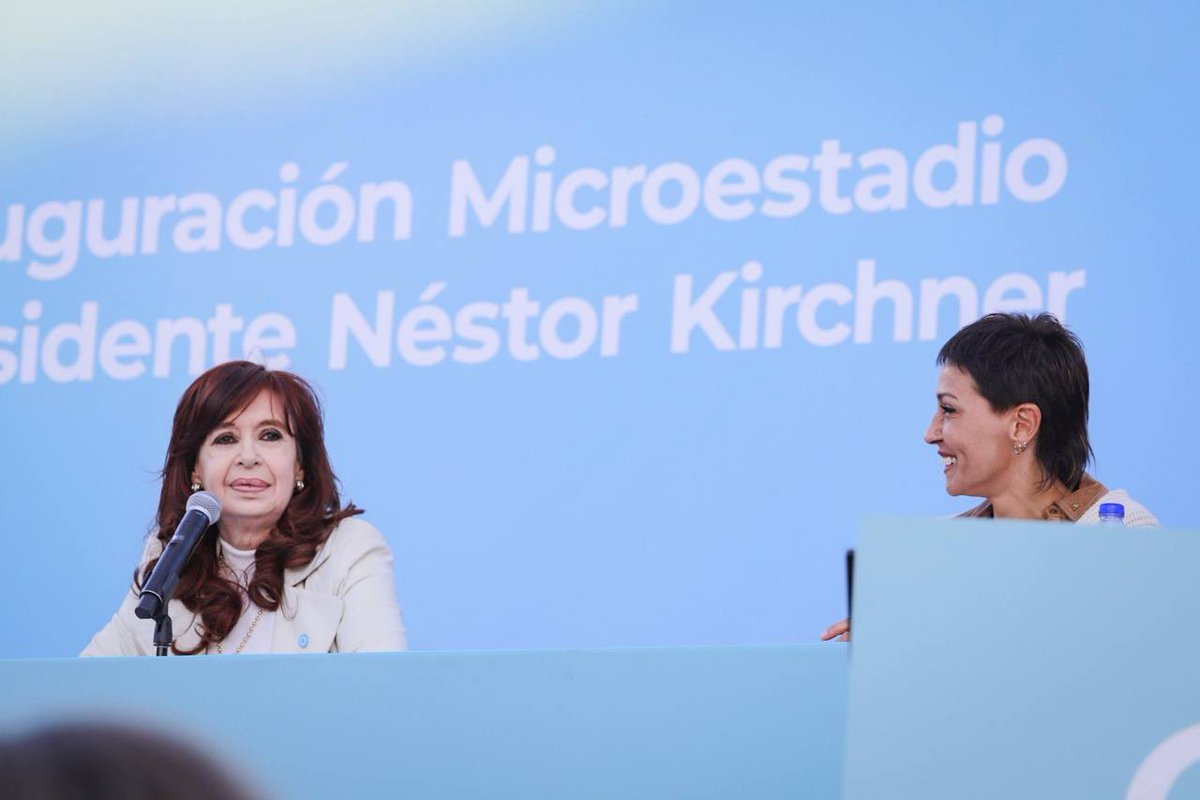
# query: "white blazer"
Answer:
x=344 y=600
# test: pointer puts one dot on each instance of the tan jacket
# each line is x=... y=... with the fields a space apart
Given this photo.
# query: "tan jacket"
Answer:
x=1083 y=506
x=343 y=600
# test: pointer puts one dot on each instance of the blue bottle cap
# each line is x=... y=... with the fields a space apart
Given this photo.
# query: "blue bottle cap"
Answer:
x=1112 y=510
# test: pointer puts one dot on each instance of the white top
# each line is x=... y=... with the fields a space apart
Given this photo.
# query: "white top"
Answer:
x=241 y=564
x=1136 y=514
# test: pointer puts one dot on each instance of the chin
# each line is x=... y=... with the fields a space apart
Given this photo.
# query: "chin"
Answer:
x=964 y=491
x=958 y=490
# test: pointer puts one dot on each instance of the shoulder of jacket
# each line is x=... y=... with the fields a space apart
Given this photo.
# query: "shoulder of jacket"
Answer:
x=353 y=538
x=1136 y=514
x=354 y=530
x=152 y=548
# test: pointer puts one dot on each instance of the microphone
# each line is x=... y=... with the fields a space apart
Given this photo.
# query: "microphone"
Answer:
x=203 y=509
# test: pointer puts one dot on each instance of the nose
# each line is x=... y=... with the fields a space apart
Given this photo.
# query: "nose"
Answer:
x=248 y=452
x=933 y=434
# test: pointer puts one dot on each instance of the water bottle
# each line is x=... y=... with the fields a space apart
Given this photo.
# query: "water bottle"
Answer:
x=1112 y=514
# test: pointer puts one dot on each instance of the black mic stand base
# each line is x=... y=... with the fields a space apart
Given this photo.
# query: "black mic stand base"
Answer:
x=162 y=634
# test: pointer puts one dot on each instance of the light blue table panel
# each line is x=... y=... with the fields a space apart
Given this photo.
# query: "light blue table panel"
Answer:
x=759 y=722
x=1019 y=660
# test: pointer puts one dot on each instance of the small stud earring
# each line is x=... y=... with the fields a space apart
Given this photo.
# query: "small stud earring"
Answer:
x=195 y=486
x=299 y=484
x=1019 y=447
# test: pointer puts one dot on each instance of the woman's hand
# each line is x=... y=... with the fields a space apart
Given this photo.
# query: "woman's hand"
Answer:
x=838 y=630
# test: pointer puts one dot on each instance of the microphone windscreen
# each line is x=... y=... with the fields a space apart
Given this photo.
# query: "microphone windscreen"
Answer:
x=207 y=503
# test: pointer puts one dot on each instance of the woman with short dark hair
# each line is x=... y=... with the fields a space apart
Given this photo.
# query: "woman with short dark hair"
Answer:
x=286 y=568
x=1011 y=425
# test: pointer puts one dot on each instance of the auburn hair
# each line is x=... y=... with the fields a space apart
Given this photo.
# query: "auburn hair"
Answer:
x=311 y=515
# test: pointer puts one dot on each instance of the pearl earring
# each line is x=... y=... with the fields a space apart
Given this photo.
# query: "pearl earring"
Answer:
x=195 y=486
x=299 y=484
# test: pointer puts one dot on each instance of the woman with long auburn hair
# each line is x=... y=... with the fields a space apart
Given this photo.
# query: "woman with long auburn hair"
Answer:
x=286 y=568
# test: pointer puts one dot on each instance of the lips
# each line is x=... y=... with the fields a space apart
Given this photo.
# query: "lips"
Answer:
x=249 y=485
x=948 y=460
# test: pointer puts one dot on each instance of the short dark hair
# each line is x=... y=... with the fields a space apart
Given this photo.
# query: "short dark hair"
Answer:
x=1016 y=358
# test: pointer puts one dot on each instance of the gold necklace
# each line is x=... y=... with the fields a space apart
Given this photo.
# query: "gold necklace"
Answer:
x=245 y=638
x=257 y=617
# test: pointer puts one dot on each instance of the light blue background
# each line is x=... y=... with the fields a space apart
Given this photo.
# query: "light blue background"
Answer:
x=646 y=499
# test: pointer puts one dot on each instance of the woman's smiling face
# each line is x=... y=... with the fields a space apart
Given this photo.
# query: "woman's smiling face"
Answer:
x=250 y=462
x=975 y=442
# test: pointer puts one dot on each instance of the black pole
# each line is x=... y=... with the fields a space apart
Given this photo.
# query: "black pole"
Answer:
x=849 y=585
x=162 y=633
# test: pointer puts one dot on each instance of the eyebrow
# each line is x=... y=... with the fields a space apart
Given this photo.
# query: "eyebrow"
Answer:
x=943 y=395
x=266 y=423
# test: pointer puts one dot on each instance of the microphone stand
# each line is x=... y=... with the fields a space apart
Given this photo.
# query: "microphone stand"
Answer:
x=162 y=633
x=151 y=606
